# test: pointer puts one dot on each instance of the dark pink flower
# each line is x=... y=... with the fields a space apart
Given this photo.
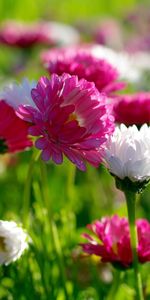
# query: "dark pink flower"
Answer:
x=25 y=35
x=132 y=109
x=70 y=117
x=13 y=131
x=80 y=61
x=22 y=35
x=110 y=240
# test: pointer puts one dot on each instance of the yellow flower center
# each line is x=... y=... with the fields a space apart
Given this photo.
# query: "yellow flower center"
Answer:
x=115 y=248
x=72 y=117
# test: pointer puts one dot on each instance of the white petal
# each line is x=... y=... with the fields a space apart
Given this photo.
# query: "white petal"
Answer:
x=127 y=152
x=18 y=94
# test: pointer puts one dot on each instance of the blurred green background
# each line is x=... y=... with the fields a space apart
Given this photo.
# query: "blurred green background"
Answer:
x=64 y=10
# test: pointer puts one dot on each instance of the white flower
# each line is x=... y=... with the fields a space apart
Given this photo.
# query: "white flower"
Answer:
x=13 y=241
x=18 y=94
x=62 y=34
x=127 y=153
x=126 y=64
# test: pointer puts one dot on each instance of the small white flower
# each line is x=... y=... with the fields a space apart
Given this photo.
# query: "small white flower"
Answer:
x=18 y=94
x=13 y=241
x=127 y=153
x=62 y=34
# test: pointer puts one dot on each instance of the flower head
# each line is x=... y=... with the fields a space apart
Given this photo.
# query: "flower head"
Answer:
x=127 y=153
x=15 y=94
x=69 y=116
x=132 y=109
x=13 y=241
x=25 y=35
x=110 y=240
x=13 y=131
x=108 y=32
x=80 y=62
x=60 y=33
x=129 y=67
x=21 y=34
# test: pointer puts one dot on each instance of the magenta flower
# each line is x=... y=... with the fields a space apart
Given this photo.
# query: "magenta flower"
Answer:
x=13 y=131
x=81 y=62
x=110 y=240
x=132 y=109
x=70 y=117
x=25 y=35
x=22 y=35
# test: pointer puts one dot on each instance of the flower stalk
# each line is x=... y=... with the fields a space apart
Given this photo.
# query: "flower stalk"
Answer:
x=130 y=200
x=53 y=228
x=118 y=275
x=27 y=189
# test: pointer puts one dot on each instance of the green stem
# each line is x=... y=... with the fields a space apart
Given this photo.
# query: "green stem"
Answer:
x=116 y=281
x=130 y=200
x=41 y=268
x=70 y=189
x=60 y=258
x=27 y=190
x=53 y=228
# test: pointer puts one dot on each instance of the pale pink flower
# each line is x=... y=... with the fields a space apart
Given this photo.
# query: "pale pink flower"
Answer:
x=13 y=131
x=132 y=109
x=108 y=32
x=139 y=43
x=80 y=61
x=70 y=117
x=110 y=240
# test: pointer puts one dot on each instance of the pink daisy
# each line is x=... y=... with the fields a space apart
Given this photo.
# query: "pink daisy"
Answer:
x=22 y=35
x=110 y=240
x=25 y=35
x=81 y=62
x=13 y=131
x=132 y=109
x=70 y=117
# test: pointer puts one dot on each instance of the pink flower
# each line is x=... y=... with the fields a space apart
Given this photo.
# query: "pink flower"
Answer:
x=132 y=109
x=13 y=131
x=25 y=35
x=110 y=240
x=108 y=32
x=22 y=35
x=138 y=43
x=81 y=62
x=70 y=117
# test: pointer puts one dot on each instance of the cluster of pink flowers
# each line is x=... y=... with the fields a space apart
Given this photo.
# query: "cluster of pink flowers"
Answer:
x=70 y=117
x=110 y=240
x=132 y=109
x=13 y=131
x=80 y=61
